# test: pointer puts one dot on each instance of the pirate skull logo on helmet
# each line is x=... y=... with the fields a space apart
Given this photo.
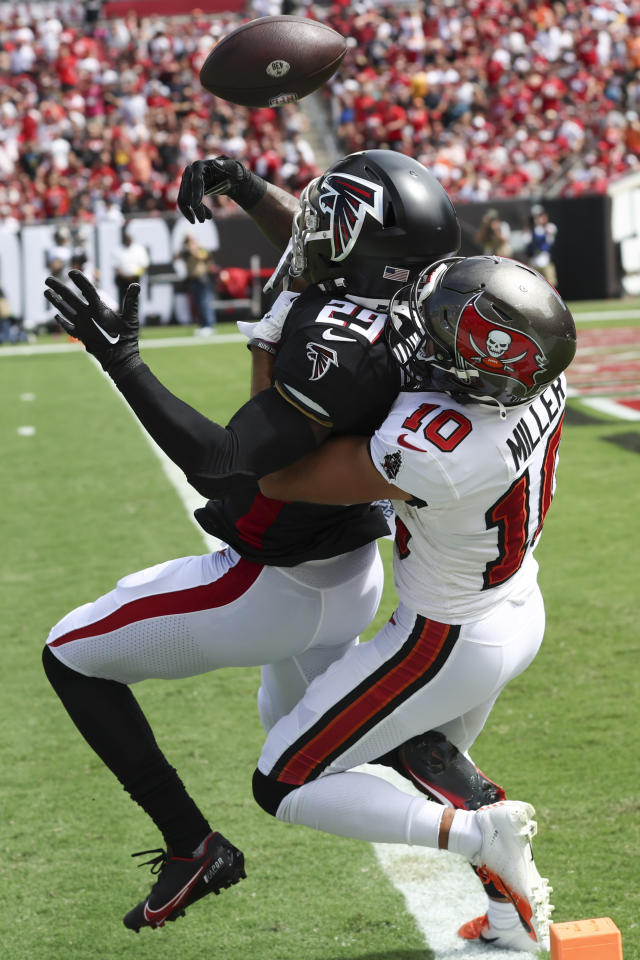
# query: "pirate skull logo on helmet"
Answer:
x=498 y=342
x=448 y=330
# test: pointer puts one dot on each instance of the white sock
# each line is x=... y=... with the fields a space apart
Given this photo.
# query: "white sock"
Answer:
x=502 y=916
x=364 y=807
x=465 y=836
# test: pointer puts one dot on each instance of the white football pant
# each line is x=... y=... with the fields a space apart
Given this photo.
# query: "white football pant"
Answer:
x=188 y=616
x=416 y=674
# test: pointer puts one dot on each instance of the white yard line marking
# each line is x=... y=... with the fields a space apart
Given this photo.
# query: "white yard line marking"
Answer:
x=34 y=349
x=591 y=316
x=30 y=350
x=440 y=889
x=618 y=410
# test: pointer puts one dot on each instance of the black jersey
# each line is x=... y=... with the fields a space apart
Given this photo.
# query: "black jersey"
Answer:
x=334 y=366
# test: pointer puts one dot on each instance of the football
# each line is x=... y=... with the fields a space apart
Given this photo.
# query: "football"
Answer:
x=272 y=60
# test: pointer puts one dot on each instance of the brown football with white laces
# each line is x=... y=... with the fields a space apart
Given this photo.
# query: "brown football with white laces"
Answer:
x=273 y=60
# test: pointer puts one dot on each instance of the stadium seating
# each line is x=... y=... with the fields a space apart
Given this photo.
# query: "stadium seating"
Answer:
x=500 y=98
x=99 y=119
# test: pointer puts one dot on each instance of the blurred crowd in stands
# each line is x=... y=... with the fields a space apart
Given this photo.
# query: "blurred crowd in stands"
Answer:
x=99 y=120
x=498 y=97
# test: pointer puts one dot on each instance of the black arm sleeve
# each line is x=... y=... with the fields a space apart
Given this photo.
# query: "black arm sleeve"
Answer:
x=267 y=433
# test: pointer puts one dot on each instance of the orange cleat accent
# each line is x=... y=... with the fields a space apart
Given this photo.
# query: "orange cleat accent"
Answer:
x=473 y=928
x=519 y=901
x=514 y=938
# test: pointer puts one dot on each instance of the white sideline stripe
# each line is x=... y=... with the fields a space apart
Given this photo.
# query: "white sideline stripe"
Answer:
x=604 y=405
x=587 y=316
x=440 y=889
x=34 y=349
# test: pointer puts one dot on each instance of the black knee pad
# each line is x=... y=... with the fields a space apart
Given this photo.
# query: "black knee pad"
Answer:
x=445 y=775
x=269 y=792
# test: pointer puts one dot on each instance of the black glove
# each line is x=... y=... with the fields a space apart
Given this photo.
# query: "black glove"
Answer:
x=112 y=338
x=222 y=175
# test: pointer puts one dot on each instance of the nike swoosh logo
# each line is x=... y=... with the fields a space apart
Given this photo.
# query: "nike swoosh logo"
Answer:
x=104 y=333
x=175 y=901
x=409 y=446
x=330 y=335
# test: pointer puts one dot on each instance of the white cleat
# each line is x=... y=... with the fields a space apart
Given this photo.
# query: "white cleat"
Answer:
x=506 y=860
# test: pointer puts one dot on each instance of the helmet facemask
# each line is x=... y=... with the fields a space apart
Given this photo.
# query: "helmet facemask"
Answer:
x=426 y=360
x=305 y=230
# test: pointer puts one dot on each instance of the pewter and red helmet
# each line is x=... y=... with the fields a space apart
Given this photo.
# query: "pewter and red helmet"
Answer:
x=481 y=328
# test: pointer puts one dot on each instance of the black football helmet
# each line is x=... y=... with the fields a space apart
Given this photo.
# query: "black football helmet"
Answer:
x=481 y=328
x=371 y=223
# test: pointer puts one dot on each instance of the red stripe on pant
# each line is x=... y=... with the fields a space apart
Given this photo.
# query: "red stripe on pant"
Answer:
x=261 y=515
x=340 y=728
x=204 y=597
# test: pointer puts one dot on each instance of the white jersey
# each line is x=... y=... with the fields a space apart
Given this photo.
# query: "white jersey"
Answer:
x=481 y=486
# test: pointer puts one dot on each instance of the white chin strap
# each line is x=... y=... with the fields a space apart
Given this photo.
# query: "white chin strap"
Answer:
x=484 y=399
x=281 y=272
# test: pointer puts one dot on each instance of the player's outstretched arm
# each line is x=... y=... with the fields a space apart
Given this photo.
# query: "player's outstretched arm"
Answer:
x=266 y=434
x=338 y=472
x=270 y=207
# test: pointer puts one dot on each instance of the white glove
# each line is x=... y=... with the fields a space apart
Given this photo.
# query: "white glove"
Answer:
x=266 y=333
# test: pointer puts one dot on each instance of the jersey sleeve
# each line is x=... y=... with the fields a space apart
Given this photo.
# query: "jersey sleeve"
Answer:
x=408 y=462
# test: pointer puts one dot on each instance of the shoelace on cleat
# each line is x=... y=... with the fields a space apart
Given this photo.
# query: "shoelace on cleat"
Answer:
x=157 y=863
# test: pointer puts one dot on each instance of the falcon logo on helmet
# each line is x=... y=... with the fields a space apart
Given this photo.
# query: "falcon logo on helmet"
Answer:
x=375 y=218
x=322 y=358
x=348 y=200
x=495 y=349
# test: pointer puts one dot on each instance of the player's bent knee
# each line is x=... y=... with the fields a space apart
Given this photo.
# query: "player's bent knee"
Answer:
x=64 y=680
x=269 y=792
x=55 y=670
x=49 y=661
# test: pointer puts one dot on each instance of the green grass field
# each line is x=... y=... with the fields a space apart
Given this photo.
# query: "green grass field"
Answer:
x=84 y=502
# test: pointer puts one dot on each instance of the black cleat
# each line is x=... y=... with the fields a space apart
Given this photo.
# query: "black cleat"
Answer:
x=183 y=880
x=439 y=770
